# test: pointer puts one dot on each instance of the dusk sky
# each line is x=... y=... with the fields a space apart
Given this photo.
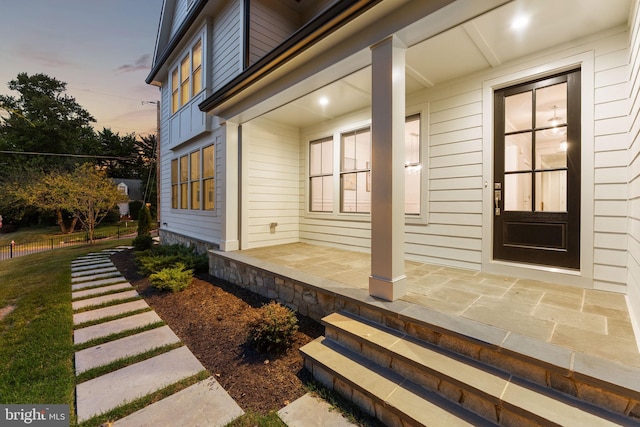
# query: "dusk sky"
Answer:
x=102 y=49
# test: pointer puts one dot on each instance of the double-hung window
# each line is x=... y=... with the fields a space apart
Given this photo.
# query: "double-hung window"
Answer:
x=192 y=180
x=208 y=180
x=186 y=77
x=321 y=175
x=355 y=171
x=184 y=182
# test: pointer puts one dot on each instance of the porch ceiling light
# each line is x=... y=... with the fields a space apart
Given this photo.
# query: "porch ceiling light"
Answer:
x=324 y=101
x=519 y=23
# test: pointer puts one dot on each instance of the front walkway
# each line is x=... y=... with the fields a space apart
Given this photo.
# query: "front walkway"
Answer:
x=582 y=320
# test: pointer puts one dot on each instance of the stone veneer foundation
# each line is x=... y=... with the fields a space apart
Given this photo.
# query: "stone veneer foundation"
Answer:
x=580 y=375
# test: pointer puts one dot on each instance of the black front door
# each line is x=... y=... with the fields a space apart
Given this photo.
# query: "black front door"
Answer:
x=536 y=188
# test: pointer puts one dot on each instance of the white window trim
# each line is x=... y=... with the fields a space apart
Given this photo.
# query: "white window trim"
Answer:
x=337 y=131
x=200 y=37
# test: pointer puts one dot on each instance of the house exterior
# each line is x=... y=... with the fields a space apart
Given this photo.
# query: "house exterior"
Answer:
x=132 y=188
x=500 y=136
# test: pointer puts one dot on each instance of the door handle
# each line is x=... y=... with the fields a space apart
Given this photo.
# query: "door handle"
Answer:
x=497 y=196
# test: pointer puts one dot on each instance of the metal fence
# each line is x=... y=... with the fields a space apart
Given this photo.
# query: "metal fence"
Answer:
x=16 y=249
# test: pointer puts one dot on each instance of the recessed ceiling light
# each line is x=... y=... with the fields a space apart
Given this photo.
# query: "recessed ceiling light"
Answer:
x=519 y=22
x=323 y=101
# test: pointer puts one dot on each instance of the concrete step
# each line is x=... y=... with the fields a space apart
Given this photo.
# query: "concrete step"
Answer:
x=91 y=266
x=203 y=404
x=381 y=392
x=106 y=353
x=93 y=277
x=101 y=290
x=116 y=388
x=494 y=394
x=114 y=310
x=93 y=271
x=114 y=326
x=97 y=283
x=77 y=305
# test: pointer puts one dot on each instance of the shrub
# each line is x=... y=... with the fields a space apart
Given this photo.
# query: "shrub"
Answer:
x=273 y=328
x=142 y=243
x=163 y=256
x=173 y=279
x=144 y=221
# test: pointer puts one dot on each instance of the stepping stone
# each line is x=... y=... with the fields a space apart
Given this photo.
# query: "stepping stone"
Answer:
x=96 y=283
x=111 y=390
x=109 y=269
x=203 y=404
x=114 y=310
x=91 y=266
x=103 y=289
x=310 y=411
x=106 y=353
x=76 y=305
x=114 y=326
x=124 y=247
x=80 y=263
x=95 y=276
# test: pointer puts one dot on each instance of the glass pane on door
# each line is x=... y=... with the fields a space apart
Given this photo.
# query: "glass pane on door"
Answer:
x=517 y=152
x=518 y=112
x=517 y=192
x=551 y=191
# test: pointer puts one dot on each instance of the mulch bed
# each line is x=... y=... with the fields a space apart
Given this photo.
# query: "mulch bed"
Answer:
x=211 y=317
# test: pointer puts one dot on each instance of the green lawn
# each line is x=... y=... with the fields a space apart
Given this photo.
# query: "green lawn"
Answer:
x=45 y=233
x=36 y=338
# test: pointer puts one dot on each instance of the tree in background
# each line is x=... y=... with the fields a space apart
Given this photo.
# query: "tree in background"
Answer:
x=92 y=196
x=43 y=119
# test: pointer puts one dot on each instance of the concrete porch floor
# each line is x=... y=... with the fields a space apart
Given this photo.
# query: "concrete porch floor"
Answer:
x=583 y=320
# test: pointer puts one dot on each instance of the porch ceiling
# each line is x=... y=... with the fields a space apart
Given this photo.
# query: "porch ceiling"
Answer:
x=484 y=42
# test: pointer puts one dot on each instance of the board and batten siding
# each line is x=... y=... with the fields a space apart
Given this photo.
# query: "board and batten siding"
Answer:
x=633 y=226
x=270 y=186
x=226 y=47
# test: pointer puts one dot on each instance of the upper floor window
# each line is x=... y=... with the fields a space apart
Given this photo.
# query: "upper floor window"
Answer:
x=186 y=78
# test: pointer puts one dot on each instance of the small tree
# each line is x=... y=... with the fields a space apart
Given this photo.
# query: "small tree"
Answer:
x=144 y=221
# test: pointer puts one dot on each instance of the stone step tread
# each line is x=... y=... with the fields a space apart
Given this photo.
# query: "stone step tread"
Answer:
x=309 y=410
x=96 y=283
x=76 y=305
x=93 y=277
x=100 y=270
x=113 y=310
x=203 y=404
x=111 y=390
x=491 y=384
x=114 y=326
x=100 y=290
x=106 y=353
x=91 y=258
x=79 y=268
x=387 y=387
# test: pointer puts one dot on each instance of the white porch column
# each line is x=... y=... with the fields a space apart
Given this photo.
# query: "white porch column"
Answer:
x=229 y=189
x=387 y=280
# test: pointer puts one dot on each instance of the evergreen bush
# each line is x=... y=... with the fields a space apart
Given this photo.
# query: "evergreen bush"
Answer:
x=173 y=279
x=273 y=328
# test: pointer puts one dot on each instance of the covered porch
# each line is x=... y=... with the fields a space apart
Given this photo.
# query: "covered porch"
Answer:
x=534 y=318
